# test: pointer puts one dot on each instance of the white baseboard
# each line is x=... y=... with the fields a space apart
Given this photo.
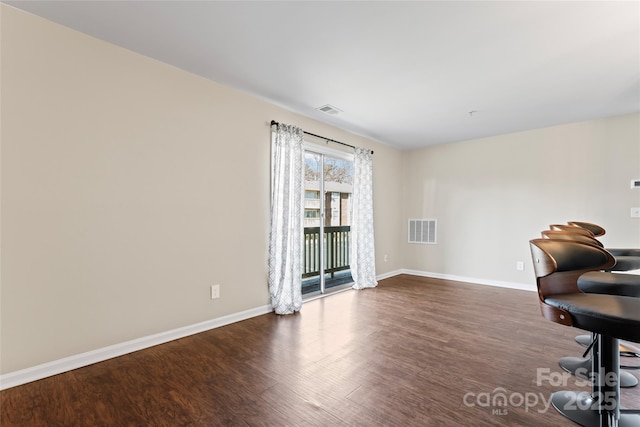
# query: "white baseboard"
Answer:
x=474 y=280
x=59 y=366
x=388 y=274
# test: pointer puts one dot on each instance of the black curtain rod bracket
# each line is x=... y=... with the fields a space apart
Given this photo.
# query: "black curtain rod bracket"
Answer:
x=273 y=122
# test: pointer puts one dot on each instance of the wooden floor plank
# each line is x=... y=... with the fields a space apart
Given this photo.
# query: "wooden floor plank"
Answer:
x=412 y=352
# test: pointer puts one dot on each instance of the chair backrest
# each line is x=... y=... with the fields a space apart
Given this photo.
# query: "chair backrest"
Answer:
x=571 y=235
x=594 y=228
x=571 y=228
x=558 y=264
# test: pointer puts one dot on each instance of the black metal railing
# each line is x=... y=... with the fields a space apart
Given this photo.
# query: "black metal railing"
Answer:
x=336 y=250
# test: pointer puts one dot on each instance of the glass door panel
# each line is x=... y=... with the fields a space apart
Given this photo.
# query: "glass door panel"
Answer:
x=327 y=212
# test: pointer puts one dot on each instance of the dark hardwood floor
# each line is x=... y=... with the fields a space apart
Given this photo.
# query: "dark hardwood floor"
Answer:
x=412 y=352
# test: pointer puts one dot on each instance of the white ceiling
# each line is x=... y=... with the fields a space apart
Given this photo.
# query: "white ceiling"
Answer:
x=404 y=73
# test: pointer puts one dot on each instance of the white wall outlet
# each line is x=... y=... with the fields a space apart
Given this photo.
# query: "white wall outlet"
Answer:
x=215 y=291
x=386 y=258
x=520 y=265
x=635 y=212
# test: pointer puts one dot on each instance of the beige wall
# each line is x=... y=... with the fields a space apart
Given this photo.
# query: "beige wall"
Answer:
x=117 y=176
x=492 y=195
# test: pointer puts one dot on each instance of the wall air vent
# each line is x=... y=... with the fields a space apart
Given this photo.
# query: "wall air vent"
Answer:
x=329 y=109
x=422 y=231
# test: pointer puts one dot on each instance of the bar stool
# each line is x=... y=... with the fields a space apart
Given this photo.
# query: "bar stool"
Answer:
x=601 y=283
x=557 y=265
x=627 y=259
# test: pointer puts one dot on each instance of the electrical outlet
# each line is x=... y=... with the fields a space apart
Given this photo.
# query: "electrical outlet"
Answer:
x=386 y=258
x=215 y=291
x=520 y=265
x=635 y=212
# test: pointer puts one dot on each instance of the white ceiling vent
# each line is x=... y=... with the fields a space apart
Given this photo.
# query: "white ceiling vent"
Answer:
x=422 y=231
x=329 y=109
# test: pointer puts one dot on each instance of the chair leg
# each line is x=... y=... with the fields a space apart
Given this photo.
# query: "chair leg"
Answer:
x=600 y=408
x=607 y=389
x=581 y=367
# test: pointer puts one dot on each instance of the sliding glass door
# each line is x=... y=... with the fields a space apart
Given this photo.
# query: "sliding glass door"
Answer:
x=328 y=185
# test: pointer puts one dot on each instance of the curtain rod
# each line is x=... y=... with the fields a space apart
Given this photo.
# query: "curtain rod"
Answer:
x=273 y=122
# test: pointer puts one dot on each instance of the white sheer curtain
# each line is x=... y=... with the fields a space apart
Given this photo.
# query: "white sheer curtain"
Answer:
x=362 y=256
x=285 y=238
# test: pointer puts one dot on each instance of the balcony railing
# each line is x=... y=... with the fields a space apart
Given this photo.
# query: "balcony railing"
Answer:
x=336 y=250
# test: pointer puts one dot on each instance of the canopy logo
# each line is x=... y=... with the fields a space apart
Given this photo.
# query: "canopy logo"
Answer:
x=500 y=400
